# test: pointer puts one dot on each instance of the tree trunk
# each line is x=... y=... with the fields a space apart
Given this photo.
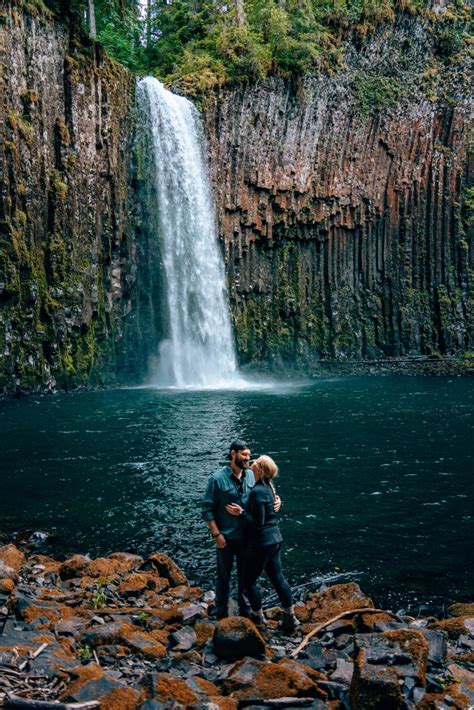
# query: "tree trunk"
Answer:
x=239 y=6
x=91 y=18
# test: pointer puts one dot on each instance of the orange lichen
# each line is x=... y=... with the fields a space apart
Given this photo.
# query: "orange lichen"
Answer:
x=169 y=688
x=7 y=586
x=333 y=601
x=121 y=699
x=137 y=583
x=203 y=633
x=52 y=613
x=12 y=557
x=453 y=627
x=83 y=675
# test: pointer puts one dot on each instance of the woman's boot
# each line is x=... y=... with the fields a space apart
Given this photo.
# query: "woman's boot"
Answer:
x=289 y=621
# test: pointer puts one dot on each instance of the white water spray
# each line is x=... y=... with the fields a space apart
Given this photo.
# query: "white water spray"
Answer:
x=199 y=350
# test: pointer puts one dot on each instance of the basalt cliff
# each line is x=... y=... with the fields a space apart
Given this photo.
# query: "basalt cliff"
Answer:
x=342 y=204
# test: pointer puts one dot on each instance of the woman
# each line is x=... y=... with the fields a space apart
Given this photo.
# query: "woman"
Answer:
x=264 y=542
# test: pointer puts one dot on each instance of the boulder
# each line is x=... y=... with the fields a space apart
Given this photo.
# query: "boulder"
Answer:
x=7 y=572
x=183 y=639
x=91 y=683
x=136 y=583
x=388 y=668
x=124 y=634
x=322 y=606
x=236 y=637
x=128 y=561
x=252 y=680
x=456 y=626
x=12 y=557
x=166 y=567
x=166 y=688
x=7 y=586
x=461 y=610
x=75 y=566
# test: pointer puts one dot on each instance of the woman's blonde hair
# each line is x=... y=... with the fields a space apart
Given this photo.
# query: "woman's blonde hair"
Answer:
x=267 y=466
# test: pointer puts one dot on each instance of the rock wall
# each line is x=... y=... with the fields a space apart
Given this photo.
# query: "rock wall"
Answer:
x=341 y=201
x=68 y=253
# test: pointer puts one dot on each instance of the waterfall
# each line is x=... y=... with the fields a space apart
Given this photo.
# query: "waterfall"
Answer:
x=199 y=349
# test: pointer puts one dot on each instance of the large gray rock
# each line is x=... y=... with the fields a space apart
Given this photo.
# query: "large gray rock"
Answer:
x=237 y=637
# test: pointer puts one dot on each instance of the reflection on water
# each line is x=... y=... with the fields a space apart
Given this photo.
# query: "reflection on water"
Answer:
x=376 y=475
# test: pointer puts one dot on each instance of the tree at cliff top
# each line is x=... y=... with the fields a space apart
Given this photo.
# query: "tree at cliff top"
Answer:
x=197 y=44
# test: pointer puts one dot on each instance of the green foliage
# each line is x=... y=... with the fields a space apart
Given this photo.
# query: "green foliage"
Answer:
x=99 y=595
x=195 y=45
x=374 y=93
x=84 y=653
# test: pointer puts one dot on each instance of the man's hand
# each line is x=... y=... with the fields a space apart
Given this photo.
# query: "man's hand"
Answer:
x=277 y=505
x=234 y=509
x=220 y=541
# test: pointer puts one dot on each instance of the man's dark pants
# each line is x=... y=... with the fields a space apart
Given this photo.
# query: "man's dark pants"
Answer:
x=234 y=549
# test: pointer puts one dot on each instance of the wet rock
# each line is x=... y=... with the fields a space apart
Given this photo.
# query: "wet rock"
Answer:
x=166 y=567
x=236 y=637
x=322 y=606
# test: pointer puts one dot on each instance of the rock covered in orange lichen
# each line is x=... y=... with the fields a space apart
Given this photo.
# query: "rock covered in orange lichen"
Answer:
x=7 y=586
x=322 y=606
x=236 y=637
x=137 y=583
x=124 y=698
x=12 y=557
x=75 y=566
x=166 y=567
x=251 y=679
x=456 y=626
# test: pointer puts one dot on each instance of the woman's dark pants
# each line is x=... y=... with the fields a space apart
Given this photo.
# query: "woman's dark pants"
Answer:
x=234 y=549
x=257 y=560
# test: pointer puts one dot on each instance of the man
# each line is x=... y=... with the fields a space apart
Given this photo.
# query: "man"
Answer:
x=227 y=486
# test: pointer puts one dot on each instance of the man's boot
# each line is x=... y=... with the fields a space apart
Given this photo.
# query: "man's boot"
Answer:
x=258 y=618
x=289 y=622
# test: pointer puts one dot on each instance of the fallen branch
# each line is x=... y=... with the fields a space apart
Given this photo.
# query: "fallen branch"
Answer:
x=15 y=701
x=32 y=656
x=350 y=612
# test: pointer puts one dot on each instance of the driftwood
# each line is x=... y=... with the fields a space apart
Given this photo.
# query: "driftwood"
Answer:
x=32 y=656
x=350 y=612
x=15 y=701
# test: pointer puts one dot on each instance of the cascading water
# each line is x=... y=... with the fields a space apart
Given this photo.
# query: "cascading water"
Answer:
x=199 y=349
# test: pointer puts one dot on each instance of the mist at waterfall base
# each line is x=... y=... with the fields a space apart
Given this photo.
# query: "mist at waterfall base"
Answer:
x=198 y=351
x=375 y=475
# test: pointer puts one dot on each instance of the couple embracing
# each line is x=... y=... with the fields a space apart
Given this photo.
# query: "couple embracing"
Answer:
x=240 y=507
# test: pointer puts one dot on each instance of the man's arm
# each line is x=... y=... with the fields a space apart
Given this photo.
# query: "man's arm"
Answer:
x=208 y=505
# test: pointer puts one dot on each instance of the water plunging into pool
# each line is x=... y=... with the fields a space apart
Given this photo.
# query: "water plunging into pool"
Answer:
x=198 y=350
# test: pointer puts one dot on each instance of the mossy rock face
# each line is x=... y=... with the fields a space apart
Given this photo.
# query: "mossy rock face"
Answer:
x=67 y=264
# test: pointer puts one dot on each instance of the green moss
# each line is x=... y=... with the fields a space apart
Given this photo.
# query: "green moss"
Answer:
x=58 y=187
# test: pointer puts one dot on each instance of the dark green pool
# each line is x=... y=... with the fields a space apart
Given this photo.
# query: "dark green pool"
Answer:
x=376 y=475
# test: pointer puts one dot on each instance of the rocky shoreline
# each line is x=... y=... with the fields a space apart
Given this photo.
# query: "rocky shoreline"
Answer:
x=124 y=633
